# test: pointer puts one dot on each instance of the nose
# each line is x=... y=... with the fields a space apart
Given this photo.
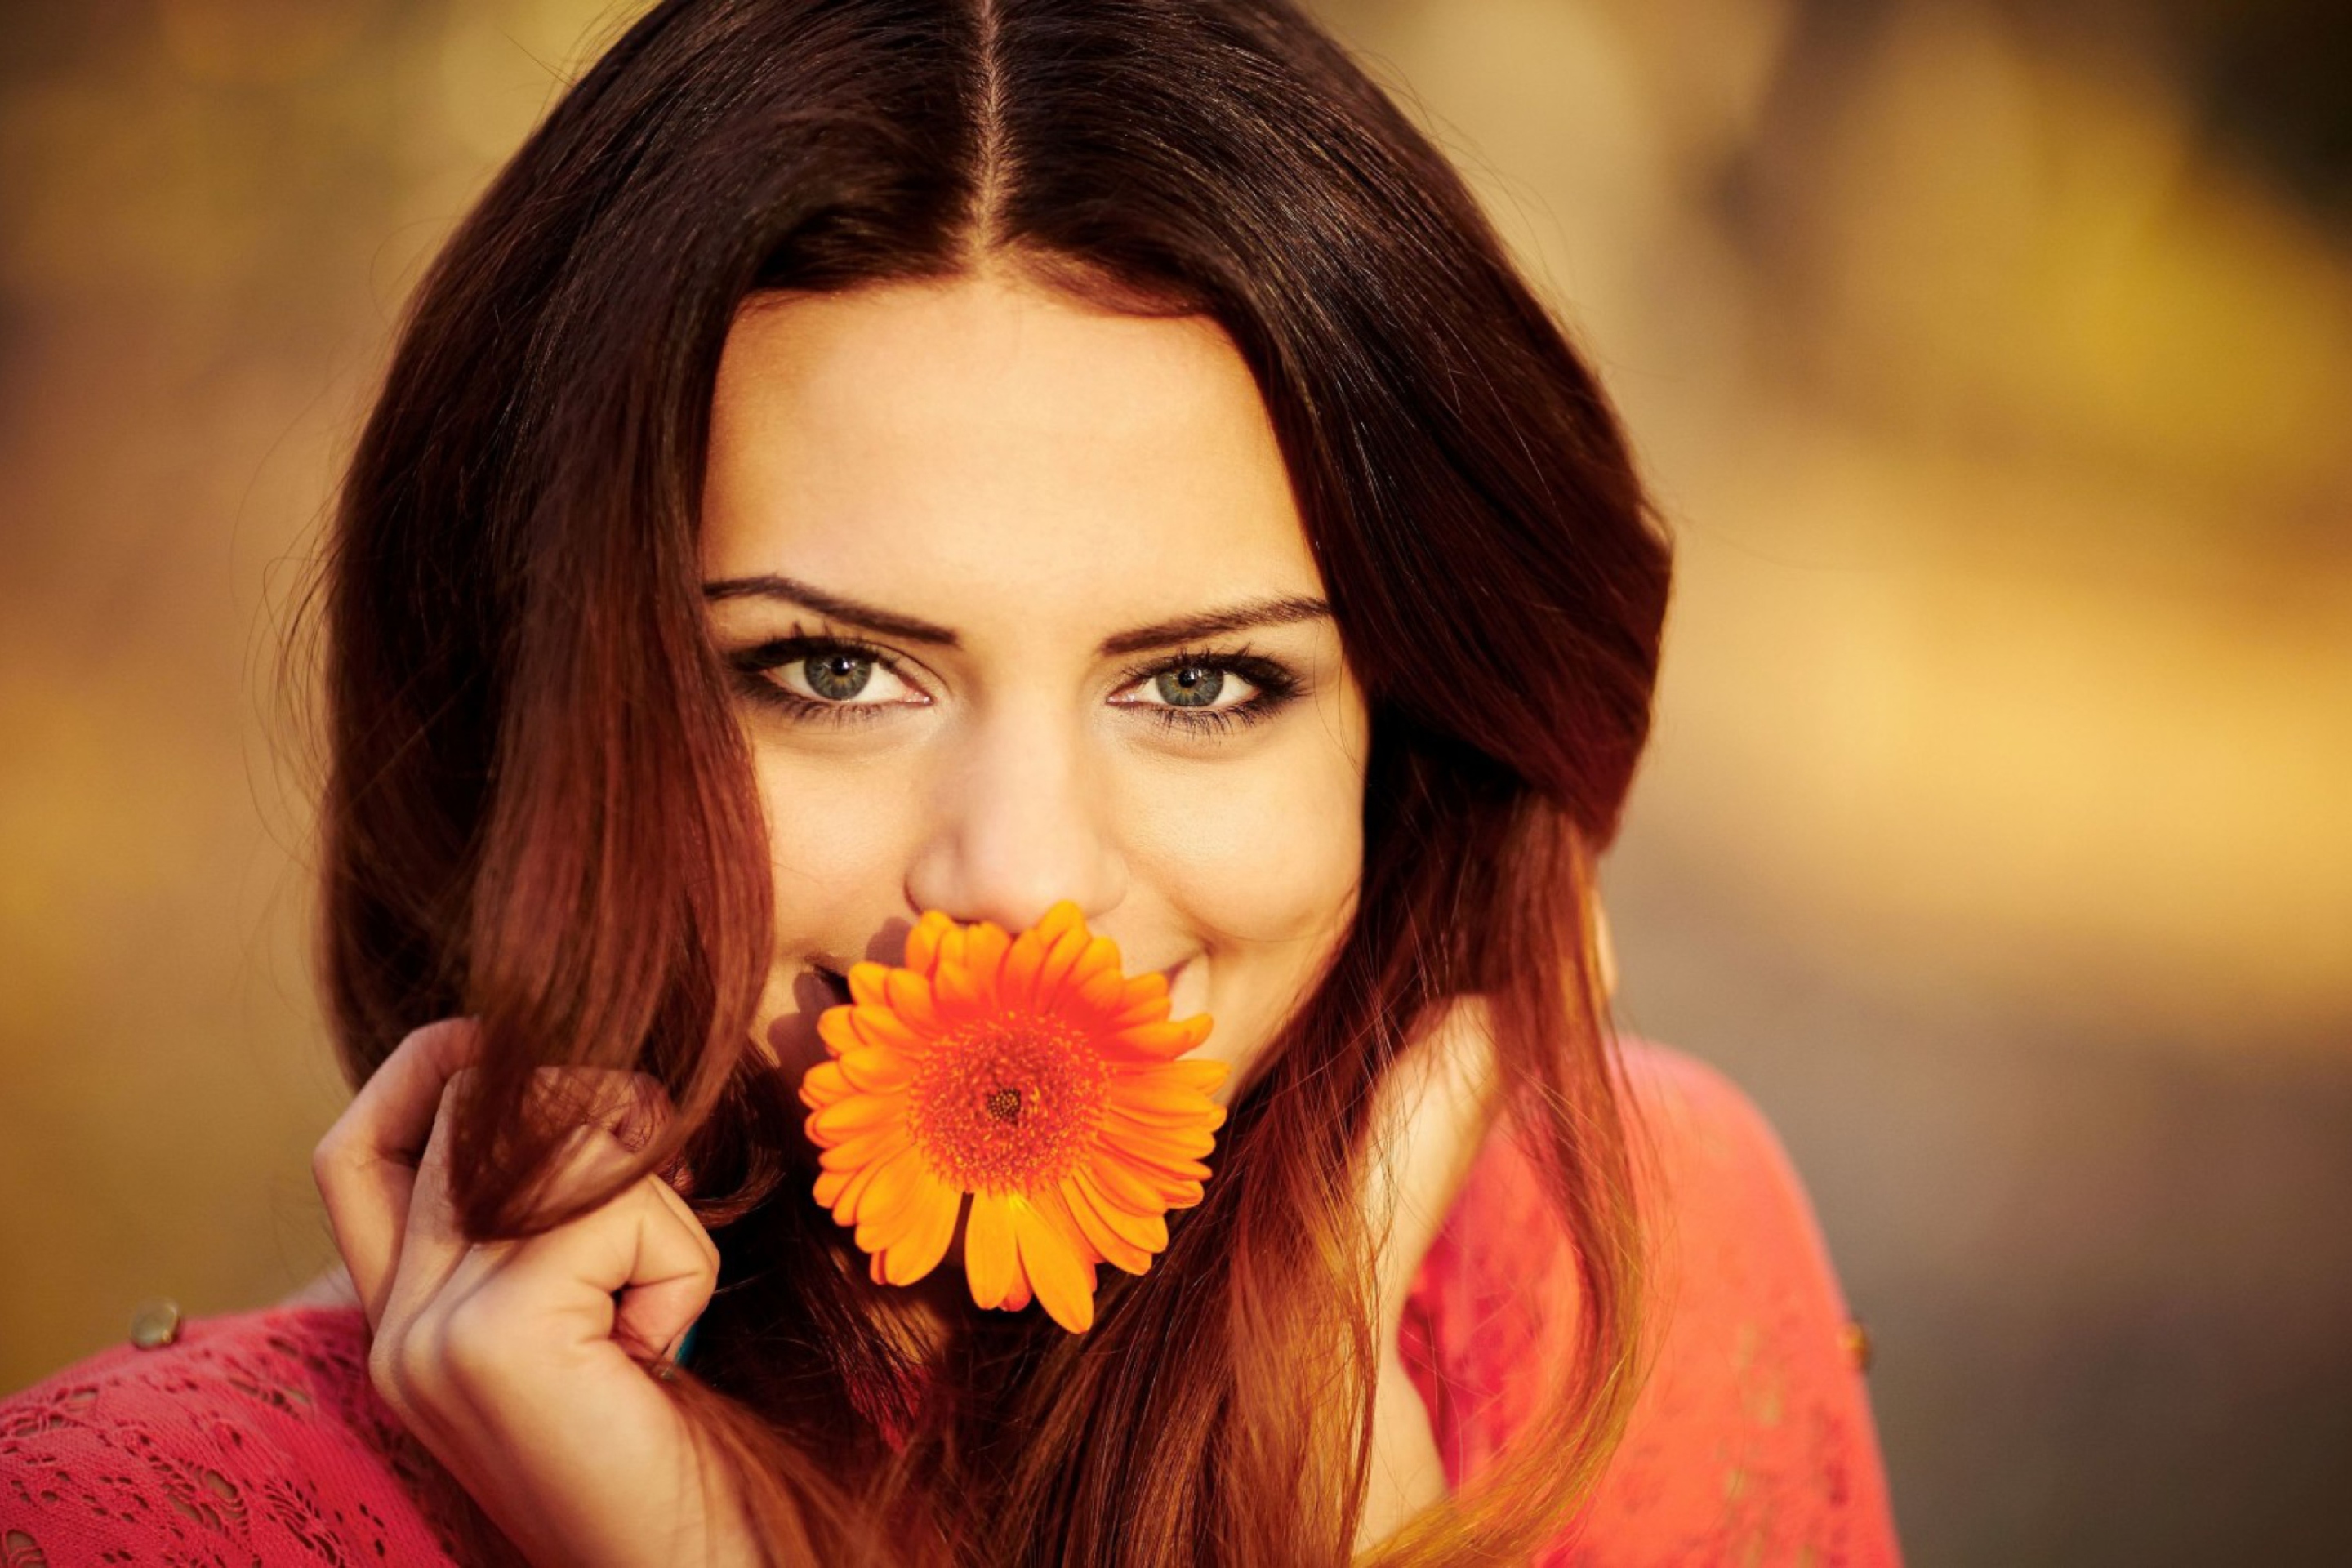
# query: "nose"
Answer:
x=1019 y=821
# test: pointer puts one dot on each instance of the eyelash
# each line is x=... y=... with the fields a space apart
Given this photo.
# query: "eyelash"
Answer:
x=1276 y=686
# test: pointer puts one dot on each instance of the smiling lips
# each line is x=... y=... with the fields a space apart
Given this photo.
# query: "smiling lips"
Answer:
x=1030 y=1074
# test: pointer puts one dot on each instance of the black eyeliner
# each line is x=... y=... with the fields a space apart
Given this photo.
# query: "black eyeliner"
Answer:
x=1277 y=684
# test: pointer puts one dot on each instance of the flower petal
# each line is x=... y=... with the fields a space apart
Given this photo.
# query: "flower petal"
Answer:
x=931 y=1219
x=989 y=1263
x=877 y=1231
x=1184 y=1194
x=1113 y=1247
x=1147 y=1230
x=985 y=948
x=893 y=1184
x=1049 y=1256
x=910 y=997
x=1162 y=1041
x=823 y=1084
x=834 y=1029
x=1148 y=1116
x=1063 y=916
x=1163 y=1173
x=1099 y=956
x=1154 y=1042
x=878 y=1028
x=923 y=942
x=866 y=984
x=1016 y=981
x=866 y=1147
x=1157 y=1102
x=1144 y=1001
x=1161 y=1144
x=852 y=1193
x=1061 y=956
x=874 y=1071
x=847 y=1117
x=1055 y=1204
x=1097 y=979
x=1204 y=1073
x=1125 y=1186
x=959 y=993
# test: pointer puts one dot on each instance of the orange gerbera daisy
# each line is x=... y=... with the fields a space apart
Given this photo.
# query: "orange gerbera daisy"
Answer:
x=1029 y=1073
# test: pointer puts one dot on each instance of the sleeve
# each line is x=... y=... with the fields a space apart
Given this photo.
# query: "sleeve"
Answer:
x=254 y=1438
x=1752 y=1441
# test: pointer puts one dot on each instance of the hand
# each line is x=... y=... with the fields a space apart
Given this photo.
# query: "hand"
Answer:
x=522 y=1365
x=1432 y=1110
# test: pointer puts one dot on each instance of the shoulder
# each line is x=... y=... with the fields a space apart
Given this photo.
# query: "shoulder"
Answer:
x=1715 y=1175
x=1710 y=1171
x=254 y=1437
x=1733 y=1245
x=1753 y=1438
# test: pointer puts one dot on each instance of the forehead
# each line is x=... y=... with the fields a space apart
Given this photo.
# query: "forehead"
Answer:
x=986 y=450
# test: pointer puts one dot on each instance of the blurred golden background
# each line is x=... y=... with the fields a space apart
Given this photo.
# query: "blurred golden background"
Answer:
x=1992 y=362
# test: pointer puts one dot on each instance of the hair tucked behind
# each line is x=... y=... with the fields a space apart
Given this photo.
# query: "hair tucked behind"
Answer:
x=540 y=813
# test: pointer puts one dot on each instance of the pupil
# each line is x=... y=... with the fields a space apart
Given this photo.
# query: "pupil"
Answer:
x=1005 y=1105
x=837 y=675
x=1194 y=685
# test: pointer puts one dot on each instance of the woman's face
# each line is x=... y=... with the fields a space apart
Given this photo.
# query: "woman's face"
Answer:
x=1022 y=609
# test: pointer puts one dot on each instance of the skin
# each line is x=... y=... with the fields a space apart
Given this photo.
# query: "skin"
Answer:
x=1036 y=477
x=522 y=1365
x=1028 y=477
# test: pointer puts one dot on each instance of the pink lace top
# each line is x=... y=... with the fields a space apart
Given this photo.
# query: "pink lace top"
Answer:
x=257 y=1438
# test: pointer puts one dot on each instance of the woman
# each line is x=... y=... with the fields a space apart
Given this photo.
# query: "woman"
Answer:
x=996 y=458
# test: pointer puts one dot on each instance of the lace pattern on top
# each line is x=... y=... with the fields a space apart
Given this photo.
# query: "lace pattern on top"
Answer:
x=255 y=1439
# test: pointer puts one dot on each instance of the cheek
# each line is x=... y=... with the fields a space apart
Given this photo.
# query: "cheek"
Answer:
x=1261 y=859
x=834 y=840
x=1261 y=873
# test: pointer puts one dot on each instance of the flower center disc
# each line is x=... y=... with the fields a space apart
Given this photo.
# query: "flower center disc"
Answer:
x=1008 y=1104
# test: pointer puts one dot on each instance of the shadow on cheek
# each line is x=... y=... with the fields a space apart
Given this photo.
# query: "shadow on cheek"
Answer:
x=793 y=1037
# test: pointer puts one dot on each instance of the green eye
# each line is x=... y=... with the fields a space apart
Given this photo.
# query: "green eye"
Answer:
x=1190 y=686
x=837 y=676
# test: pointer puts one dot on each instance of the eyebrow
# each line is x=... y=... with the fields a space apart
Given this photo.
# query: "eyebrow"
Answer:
x=1275 y=611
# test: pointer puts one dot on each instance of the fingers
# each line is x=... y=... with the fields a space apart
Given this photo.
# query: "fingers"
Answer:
x=430 y=1227
x=637 y=1271
x=382 y=1170
x=662 y=1318
x=644 y=1267
x=366 y=1164
x=624 y=1109
x=633 y=1107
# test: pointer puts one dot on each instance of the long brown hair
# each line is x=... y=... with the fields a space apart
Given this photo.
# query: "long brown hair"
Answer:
x=541 y=813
